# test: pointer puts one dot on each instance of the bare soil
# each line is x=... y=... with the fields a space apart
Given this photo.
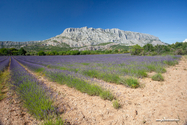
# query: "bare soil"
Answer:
x=153 y=100
x=13 y=113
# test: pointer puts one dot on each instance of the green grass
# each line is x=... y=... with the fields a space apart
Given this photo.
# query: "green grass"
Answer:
x=158 y=77
x=4 y=79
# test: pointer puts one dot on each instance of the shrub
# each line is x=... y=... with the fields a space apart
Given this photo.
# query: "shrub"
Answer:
x=41 y=53
x=141 y=73
x=171 y=63
x=136 y=50
x=22 y=51
x=104 y=76
x=158 y=77
x=133 y=83
x=154 y=53
x=148 y=47
x=116 y=104
x=179 y=52
x=151 y=67
x=57 y=121
x=106 y=95
x=160 y=69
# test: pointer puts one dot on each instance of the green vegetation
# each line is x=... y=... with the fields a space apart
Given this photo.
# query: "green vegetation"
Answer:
x=116 y=104
x=136 y=50
x=90 y=89
x=4 y=78
x=34 y=49
x=132 y=69
x=57 y=121
x=178 y=48
x=171 y=63
x=35 y=100
x=132 y=82
x=41 y=53
x=106 y=95
x=158 y=77
x=22 y=51
x=77 y=83
x=102 y=44
x=120 y=47
x=114 y=78
x=155 y=68
x=12 y=51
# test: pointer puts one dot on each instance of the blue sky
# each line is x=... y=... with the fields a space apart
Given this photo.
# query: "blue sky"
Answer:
x=27 y=20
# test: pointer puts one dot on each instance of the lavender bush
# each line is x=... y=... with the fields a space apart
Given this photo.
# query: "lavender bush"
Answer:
x=71 y=79
x=4 y=64
x=110 y=68
x=30 y=90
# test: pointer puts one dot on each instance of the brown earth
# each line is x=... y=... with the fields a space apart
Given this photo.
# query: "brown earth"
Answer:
x=153 y=100
x=13 y=113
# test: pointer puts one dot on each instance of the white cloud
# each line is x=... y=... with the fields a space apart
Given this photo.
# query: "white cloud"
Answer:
x=185 y=40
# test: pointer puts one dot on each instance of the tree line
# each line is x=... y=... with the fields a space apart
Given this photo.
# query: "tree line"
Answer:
x=12 y=51
x=178 y=48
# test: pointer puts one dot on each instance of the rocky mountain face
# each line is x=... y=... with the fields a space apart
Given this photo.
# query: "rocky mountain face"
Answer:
x=89 y=37
x=79 y=37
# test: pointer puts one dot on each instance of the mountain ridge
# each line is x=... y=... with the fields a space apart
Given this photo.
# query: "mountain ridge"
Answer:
x=83 y=37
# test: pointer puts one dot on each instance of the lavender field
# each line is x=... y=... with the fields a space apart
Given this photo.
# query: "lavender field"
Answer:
x=81 y=73
x=110 y=68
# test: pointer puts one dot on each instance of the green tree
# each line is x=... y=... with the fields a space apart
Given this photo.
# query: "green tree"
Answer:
x=148 y=47
x=22 y=51
x=13 y=51
x=4 y=51
x=74 y=52
x=136 y=50
x=159 y=48
x=41 y=53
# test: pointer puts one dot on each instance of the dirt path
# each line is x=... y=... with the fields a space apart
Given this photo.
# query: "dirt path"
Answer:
x=139 y=106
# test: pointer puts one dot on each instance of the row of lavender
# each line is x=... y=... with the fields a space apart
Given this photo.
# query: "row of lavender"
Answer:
x=34 y=94
x=110 y=68
x=4 y=63
x=101 y=59
x=70 y=79
x=2 y=58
